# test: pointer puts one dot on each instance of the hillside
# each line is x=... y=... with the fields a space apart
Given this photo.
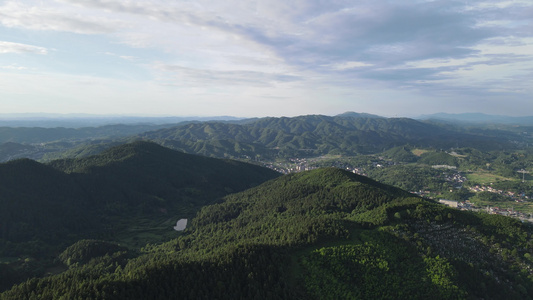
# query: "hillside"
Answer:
x=322 y=234
x=131 y=194
x=315 y=135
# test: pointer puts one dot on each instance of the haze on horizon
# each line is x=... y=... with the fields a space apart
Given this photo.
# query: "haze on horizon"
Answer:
x=266 y=58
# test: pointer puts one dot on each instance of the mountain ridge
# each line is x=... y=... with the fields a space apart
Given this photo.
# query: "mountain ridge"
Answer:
x=271 y=137
x=478 y=118
x=315 y=135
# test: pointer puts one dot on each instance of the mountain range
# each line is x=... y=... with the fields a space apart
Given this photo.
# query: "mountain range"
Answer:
x=317 y=135
x=88 y=120
x=100 y=227
x=479 y=118
x=264 y=138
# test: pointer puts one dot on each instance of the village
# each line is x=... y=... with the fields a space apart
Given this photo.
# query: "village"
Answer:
x=509 y=212
x=455 y=178
x=514 y=196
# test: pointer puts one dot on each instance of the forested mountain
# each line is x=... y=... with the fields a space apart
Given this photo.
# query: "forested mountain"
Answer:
x=478 y=118
x=138 y=188
x=46 y=144
x=31 y=135
x=263 y=138
x=88 y=120
x=316 y=135
x=321 y=234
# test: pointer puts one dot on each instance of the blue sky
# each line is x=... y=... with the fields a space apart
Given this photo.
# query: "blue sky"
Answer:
x=266 y=58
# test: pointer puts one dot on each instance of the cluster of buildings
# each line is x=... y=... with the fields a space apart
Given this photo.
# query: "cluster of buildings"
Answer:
x=295 y=165
x=466 y=205
x=457 y=178
x=514 y=196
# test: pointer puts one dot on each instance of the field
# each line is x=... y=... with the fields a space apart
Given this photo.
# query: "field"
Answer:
x=485 y=178
x=146 y=231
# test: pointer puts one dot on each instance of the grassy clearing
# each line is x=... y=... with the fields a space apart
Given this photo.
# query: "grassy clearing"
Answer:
x=486 y=177
x=454 y=154
x=419 y=152
x=136 y=233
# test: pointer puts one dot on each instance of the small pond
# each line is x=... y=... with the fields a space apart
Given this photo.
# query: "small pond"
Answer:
x=180 y=225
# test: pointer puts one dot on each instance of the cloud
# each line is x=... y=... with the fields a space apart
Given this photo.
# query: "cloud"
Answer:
x=124 y=57
x=14 y=14
x=9 y=47
x=348 y=65
x=13 y=67
x=183 y=76
x=385 y=35
x=426 y=48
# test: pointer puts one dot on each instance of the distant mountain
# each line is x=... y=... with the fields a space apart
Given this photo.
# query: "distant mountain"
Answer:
x=351 y=114
x=478 y=118
x=266 y=138
x=321 y=234
x=87 y=120
x=45 y=144
x=315 y=135
x=10 y=150
x=30 y=135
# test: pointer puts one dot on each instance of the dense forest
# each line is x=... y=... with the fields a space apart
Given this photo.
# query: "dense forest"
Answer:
x=130 y=193
x=321 y=234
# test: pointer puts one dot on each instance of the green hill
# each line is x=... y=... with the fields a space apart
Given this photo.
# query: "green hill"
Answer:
x=133 y=194
x=438 y=158
x=400 y=154
x=321 y=234
x=143 y=168
x=83 y=251
x=37 y=200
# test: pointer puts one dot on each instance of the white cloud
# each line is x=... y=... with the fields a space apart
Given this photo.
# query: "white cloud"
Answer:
x=349 y=65
x=183 y=76
x=13 y=67
x=509 y=45
x=15 y=14
x=124 y=57
x=480 y=5
x=9 y=47
x=247 y=47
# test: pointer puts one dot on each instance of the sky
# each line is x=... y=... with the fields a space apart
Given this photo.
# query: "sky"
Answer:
x=266 y=58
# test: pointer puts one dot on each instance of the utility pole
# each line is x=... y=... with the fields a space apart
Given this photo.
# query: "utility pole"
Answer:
x=523 y=174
